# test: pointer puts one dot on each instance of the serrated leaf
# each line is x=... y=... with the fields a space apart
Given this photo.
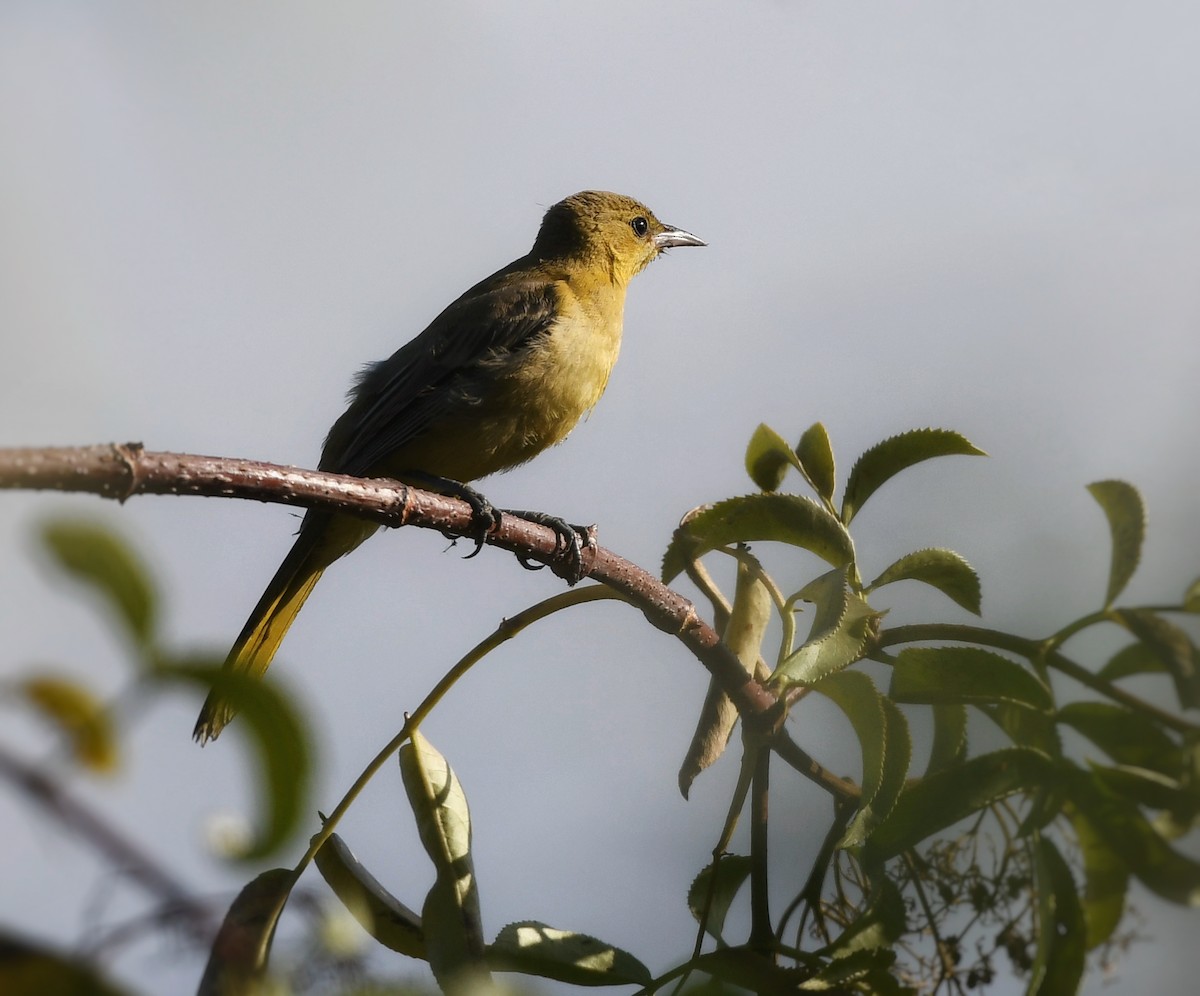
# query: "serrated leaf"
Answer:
x=1136 y=658
x=949 y=736
x=272 y=723
x=839 y=635
x=1172 y=646
x=709 y=898
x=95 y=555
x=1126 y=831
x=80 y=717
x=965 y=674
x=815 y=453
x=1144 y=786
x=743 y=634
x=380 y=913
x=237 y=960
x=885 y=460
x=1125 y=735
x=944 y=570
x=885 y=746
x=768 y=457
x=534 y=948
x=879 y=925
x=863 y=967
x=938 y=801
x=450 y=916
x=784 y=518
x=1025 y=727
x=1126 y=515
x=1058 y=963
x=1107 y=880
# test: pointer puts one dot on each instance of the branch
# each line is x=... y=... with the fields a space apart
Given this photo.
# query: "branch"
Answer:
x=121 y=471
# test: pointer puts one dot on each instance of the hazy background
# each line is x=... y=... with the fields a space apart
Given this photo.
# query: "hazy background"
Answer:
x=984 y=217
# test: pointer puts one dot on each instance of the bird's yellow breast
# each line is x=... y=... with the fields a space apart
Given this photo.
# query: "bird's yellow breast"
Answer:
x=537 y=393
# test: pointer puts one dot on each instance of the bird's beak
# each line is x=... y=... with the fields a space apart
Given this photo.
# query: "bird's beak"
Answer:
x=670 y=237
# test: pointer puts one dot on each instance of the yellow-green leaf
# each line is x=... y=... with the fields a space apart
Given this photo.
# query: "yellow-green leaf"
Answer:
x=82 y=719
x=450 y=915
x=768 y=457
x=944 y=570
x=98 y=557
x=1107 y=881
x=784 y=518
x=380 y=913
x=269 y=718
x=237 y=961
x=1126 y=515
x=965 y=674
x=885 y=460
x=1058 y=964
x=534 y=948
x=815 y=453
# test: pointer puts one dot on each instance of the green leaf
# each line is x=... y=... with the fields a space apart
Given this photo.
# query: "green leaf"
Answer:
x=28 y=968
x=1058 y=964
x=1126 y=831
x=940 y=800
x=237 y=961
x=879 y=925
x=1107 y=880
x=1125 y=735
x=1146 y=787
x=743 y=634
x=271 y=721
x=1191 y=597
x=80 y=717
x=815 y=454
x=1127 y=522
x=731 y=873
x=949 y=736
x=785 y=518
x=380 y=913
x=95 y=555
x=533 y=948
x=768 y=457
x=450 y=916
x=886 y=459
x=841 y=627
x=869 y=967
x=1171 y=645
x=965 y=674
x=1136 y=658
x=944 y=570
x=1025 y=727
x=885 y=744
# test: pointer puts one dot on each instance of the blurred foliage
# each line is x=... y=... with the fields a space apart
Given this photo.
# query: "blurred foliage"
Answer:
x=1009 y=849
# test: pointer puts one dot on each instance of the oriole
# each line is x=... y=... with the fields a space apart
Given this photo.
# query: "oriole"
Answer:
x=504 y=372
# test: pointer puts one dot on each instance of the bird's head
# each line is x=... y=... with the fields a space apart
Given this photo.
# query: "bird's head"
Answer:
x=609 y=231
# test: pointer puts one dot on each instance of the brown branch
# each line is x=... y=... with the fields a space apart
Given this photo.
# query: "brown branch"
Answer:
x=121 y=471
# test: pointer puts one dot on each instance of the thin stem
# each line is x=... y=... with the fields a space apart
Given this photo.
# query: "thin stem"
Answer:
x=504 y=632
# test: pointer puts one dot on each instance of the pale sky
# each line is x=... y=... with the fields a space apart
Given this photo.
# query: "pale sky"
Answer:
x=982 y=217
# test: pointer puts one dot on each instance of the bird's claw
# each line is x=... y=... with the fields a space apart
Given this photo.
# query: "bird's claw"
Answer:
x=570 y=544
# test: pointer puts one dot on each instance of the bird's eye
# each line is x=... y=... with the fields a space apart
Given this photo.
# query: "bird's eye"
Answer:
x=640 y=226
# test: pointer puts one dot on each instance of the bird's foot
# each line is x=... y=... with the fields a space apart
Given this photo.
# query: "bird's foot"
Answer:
x=574 y=546
x=485 y=517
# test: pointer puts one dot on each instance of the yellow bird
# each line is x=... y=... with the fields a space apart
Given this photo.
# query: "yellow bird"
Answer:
x=501 y=374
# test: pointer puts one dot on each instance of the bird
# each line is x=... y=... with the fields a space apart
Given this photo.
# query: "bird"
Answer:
x=504 y=372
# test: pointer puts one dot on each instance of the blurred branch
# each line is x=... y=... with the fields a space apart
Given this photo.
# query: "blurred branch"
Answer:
x=121 y=471
x=126 y=856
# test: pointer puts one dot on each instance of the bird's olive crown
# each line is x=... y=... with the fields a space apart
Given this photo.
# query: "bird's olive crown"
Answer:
x=612 y=228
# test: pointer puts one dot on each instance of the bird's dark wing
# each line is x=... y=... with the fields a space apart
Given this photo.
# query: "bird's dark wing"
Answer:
x=438 y=372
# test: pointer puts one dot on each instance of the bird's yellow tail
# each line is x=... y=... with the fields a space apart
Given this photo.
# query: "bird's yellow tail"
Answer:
x=255 y=647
